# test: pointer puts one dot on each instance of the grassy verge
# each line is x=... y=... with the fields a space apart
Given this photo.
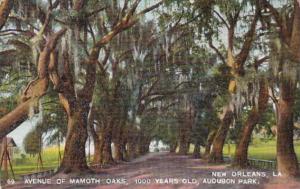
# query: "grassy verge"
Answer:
x=28 y=164
x=260 y=149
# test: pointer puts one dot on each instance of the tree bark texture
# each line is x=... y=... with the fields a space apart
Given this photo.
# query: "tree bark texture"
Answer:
x=216 y=154
x=241 y=153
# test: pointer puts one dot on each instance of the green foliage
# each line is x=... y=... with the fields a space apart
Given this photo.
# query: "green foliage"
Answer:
x=33 y=143
x=54 y=120
x=166 y=129
x=265 y=150
x=267 y=121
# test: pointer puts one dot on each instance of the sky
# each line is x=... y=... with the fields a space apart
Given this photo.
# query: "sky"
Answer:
x=20 y=132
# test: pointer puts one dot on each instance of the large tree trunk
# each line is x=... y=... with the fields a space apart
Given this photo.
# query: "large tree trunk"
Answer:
x=132 y=148
x=124 y=151
x=196 y=153
x=74 y=159
x=143 y=146
x=209 y=142
x=109 y=124
x=119 y=144
x=118 y=140
x=184 y=134
x=183 y=146
x=96 y=140
x=241 y=153
x=97 y=152
x=77 y=108
x=173 y=147
x=105 y=147
x=287 y=162
x=124 y=143
x=106 y=151
x=216 y=155
x=119 y=151
x=146 y=147
x=131 y=139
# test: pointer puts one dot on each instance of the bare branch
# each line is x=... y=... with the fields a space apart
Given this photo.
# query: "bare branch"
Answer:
x=216 y=50
x=125 y=23
x=274 y=12
x=150 y=89
x=95 y=11
x=249 y=38
x=221 y=18
x=260 y=61
x=151 y=8
x=124 y=8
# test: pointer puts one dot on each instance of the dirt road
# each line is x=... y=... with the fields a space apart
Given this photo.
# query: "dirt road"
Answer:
x=166 y=171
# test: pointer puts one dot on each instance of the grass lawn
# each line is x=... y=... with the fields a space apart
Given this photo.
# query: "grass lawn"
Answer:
x=261 y=149
x=28 y=163
x=258 y=149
